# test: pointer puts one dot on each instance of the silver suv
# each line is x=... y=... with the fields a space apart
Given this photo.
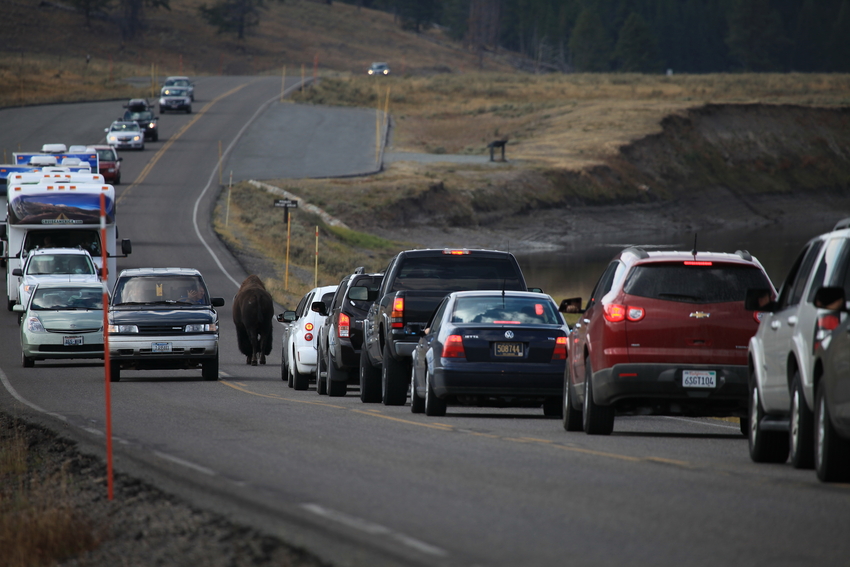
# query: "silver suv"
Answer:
x=781 y=354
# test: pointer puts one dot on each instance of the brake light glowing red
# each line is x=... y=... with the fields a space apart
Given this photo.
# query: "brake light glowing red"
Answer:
x=397 y=316
x=506 y=322
x=538 y=309
x=697 y=263
x=616 y=313
x=455 y=252
x=453 y=347
x=560 y=352
x=828 y=322
x=343 y=327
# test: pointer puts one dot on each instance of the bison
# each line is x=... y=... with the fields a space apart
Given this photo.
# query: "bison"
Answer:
x=253 y=310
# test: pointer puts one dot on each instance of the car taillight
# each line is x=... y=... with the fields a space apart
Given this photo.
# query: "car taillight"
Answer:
x=560 y=352
x=758 y=316
x=616 y=313
x=308 y=327
x=697 y=263
x=397 y=316
x=308 y=337
x=451 y=252
x=825 y=325
x=453 y=348
x=343 y=326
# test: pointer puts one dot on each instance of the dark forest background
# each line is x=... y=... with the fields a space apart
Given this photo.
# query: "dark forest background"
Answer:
x=686 y=36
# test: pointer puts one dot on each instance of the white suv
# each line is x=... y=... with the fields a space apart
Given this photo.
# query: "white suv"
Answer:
x=54 y=265
x=298 y=352
x=781 y=353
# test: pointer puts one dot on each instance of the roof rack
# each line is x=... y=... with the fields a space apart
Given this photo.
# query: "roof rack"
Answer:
x=744 y=254
x=843 y=223
x=639 y=252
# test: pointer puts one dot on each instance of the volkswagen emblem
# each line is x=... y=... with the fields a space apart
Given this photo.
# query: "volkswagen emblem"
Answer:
x=509 y=334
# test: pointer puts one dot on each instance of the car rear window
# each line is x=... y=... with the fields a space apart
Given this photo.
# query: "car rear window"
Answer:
x=715 y=283
x=455 y=273
x=505 y=310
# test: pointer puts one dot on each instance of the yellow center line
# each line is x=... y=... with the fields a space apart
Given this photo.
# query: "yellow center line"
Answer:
x=147 y=169
x=276 y=396
x=428 y=425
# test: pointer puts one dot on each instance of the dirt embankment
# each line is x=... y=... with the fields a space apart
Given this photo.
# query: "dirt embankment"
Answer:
x=711 y=168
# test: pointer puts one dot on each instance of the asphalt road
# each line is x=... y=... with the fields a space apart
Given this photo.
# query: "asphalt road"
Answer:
x=373 y=485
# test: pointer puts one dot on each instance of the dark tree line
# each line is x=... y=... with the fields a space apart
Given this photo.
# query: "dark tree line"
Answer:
x=693 y=36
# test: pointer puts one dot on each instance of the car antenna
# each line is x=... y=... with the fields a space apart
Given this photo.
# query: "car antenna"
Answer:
x=694 y=251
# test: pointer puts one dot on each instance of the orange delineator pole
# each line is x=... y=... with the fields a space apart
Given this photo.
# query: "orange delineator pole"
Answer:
x=108 y=396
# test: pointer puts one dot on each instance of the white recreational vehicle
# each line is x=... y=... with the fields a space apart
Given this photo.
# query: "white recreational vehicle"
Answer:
x=58 y=209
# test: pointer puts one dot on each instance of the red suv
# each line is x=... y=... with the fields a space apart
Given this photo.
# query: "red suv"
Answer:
x=664 y=333
x=109 y=164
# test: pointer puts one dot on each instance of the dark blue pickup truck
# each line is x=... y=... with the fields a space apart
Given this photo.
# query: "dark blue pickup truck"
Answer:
x=414 y=284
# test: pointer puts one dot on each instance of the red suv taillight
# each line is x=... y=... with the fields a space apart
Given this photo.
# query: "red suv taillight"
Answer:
x=617 y=313
x=560 y=352
x=343 y=326
x=453 y=348
x=397 y=316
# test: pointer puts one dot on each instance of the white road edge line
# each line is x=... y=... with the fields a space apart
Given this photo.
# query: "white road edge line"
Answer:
x=372 y=528
x=700 y=422
x=184 y=463
x=224 y=155
x=17 y=396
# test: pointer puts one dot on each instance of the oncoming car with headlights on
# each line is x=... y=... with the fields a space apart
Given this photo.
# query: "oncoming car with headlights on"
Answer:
x=491 y=348
x=163 y=318
x=125 y=134
x=62 y=320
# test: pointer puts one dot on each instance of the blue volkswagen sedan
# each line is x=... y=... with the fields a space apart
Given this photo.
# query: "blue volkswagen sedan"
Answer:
x=482 y=348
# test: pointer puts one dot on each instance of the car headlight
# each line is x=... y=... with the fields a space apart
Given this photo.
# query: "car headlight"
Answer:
x=34 y=325
x=386 y=71
x=118 y=329
x=370 y=71
x=136 y=138
x=152 y=125
x=28 y=288
x=162 y=101
x=112 y=138
x=201 y=328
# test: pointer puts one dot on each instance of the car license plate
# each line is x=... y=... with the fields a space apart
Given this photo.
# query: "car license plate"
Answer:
x=699 y=378
x=160 y=347
x=72 y=341
x=508 y=350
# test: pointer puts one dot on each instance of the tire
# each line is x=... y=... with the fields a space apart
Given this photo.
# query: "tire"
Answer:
x=209 y=369
x=189 y=110
x=114 y=373
x=284 y=371
x=801 y=435
x=299 y=381
x=832 y=452
x=417 y=404
x=370 y=379
x=117 y=180
x=394 y=381
x=434 y=406
x=765 y=446
x=598 y=420
x=337 y=379
x=744 y=423
x=571 y=416
x=321 y=367
x=552 y=407
x=156 y=137
x=26 y=361
x=10 y=303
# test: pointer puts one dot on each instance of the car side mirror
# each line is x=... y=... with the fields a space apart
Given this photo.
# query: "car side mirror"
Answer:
x=830 y=298
x=571 y=305
x=286 y=317
x=536 y=289
x=217 y=301
x=319 y=307
x=120 y=159
x=106 y=129
x=126 y=246
x=17 y=272
x=758 y=299
x=18 y=308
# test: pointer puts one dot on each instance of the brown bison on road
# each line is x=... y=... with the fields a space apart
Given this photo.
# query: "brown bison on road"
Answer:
x=253 y=310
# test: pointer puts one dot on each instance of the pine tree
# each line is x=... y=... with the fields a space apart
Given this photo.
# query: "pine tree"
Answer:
x=636 y=49
x=590 y=44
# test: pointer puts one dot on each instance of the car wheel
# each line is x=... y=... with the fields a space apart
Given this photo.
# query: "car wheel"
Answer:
x=552 y=407
x=434 y=406
x=765 y=446
x=114 y=373
x=598 y=420
x=321 y=368
x=209 y=369
x=571 y=415
x=26 y=361
x=156 y=137
x=189 y=110
x=801 y=435
x=117 y=181
x=417 y=404
x=337 y=379
x=370 y=380
x=10 y=303
x=832 y=452
x=299 y=381
x=393 y=380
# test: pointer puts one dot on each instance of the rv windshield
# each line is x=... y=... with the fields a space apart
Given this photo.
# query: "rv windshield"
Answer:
x=64 y=238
